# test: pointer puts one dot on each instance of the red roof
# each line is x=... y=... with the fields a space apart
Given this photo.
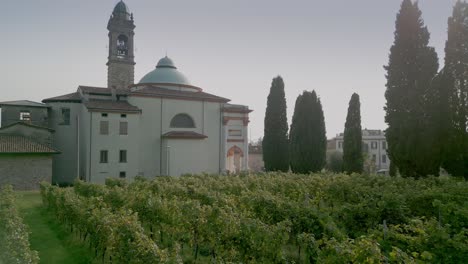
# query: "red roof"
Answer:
x=154 y=91
x=120 y=106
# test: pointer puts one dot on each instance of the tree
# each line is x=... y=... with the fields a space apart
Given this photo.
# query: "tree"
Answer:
x=308 y=143
x=275 y=139
x=352 y=140
x=411 y=68
x=452 y=85
x=334 y=161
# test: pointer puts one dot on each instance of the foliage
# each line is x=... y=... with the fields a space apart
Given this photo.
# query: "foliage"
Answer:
x=117 y=236
x=412 y=65
x=275 y=139
x=452 y=88
x=334 y=161
x=307 y=140
x=276 y=218
x=14 y=235
x=353 y=160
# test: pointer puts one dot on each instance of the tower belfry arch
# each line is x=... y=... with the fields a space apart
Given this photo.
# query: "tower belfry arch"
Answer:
x=121 y=60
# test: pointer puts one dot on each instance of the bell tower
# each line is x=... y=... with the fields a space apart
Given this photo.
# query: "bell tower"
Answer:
x=121 y=60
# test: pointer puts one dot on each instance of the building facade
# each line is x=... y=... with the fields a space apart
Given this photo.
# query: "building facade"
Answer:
x=374 y=147
x=162 y=125
x=26 y=155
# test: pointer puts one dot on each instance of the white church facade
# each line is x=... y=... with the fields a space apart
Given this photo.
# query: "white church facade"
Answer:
x=162 y=125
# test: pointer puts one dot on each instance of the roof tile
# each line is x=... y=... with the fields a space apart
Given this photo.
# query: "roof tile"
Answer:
x=20 y=144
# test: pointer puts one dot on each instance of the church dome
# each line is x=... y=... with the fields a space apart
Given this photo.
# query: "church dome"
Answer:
x=165 y=72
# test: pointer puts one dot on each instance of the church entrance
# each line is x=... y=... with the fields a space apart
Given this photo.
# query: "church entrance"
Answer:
x=234 y=159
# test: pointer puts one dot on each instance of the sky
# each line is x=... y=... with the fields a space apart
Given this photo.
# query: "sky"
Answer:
x=230 y=48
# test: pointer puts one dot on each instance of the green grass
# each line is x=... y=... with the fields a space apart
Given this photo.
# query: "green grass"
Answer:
x=48 y=237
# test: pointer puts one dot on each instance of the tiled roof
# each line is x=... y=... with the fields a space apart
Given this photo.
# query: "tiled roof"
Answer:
x=104 y=105
x=20 y=144
x=168 y=93
x=184 y=135
x=26 y=124
x=101 y=90
x=71 y=97
x=23 y=103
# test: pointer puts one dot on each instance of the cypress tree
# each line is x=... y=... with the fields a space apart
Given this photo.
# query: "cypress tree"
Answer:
x=308 y=142
x=411 y=68
x=353 y=160
x=275 y=139
x=453 y=88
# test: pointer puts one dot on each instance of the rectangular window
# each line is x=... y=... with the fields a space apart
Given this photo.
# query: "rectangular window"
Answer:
x=123 y=116
x=122 y=174
x=340 y=144
x=104 y=128
x=374 y=157
x=123 y=156
x=374 y=145
x=123 y=130
x=365 y=147
x=384 y=145
x=384 y=158
x=25 y=116
x=235 y=132
x=65 y=116
x=104 y=114
x=103 y=156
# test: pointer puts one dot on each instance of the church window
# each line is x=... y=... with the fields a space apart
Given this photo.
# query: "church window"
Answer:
x=123 y=130
x=123 y=156
x=25 y=116
x=122 y=46
x=104 y=128
x=103 y=156
x=65 y=116
x=182 y=121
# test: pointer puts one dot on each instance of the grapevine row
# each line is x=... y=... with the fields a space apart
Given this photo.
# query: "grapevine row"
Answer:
x=14 y=235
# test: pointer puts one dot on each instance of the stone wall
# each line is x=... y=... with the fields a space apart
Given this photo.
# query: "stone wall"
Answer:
x=25 y=172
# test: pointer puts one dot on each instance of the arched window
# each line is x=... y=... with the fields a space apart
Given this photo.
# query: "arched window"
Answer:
x=182 y=121
x=122 y=45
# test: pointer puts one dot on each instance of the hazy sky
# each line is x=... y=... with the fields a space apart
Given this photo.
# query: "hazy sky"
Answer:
x=231 y=48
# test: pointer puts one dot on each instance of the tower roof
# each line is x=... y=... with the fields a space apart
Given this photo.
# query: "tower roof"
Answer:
x=165 y=72
x=121 y=10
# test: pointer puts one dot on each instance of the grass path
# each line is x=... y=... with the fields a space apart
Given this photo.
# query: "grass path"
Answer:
x=54 y=244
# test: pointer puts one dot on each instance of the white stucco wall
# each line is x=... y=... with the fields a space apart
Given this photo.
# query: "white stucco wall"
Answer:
x=113 y=143
x=155 y=121
x=65 y=140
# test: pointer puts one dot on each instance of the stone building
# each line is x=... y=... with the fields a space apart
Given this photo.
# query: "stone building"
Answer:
x=25 y=155
x=162 y=125
x=256 y=163
x=374 y=147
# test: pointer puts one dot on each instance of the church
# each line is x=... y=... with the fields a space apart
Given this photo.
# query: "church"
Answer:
x=161 y=125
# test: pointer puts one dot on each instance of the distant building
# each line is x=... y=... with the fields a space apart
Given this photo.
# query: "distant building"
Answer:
x=374 y=147
x=256 y=163
x=162 y=125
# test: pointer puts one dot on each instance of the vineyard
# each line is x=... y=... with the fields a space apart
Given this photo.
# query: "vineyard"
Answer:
x=268 y=218
x=14 y=236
